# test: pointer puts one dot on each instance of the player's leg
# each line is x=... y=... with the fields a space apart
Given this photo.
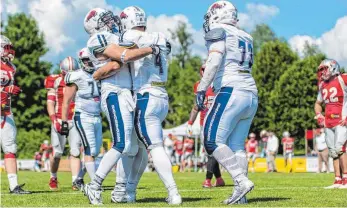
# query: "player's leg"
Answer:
x=151 y=111
x=341 y=137
x=9 y=147
x=75 y=161
x=217 y=174
x=330 y=139
x=209 y=173
x=120 y=120
x=58 y=143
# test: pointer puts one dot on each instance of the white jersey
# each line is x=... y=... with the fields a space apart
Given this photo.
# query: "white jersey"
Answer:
x=236 y=67
x=87 y=99
x=146 y=74
x=122 y=79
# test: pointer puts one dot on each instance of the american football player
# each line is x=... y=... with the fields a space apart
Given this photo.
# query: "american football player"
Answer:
x=252 y=149
x=116 y=85
x=56 y=86
x=288 y=150
x=149 y=76
x=8 y=134
x=229 y=65
x=81 y=86
x=212 y=164
x=332 y=91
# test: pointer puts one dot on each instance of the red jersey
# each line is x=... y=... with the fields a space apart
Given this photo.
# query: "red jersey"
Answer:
x=178 y=146
x=38 y=157
x=57 y=83
x=46 y=149
x=252 y=146
x=209 y=98
x=189 y=145
x=289 y=142
x=6 y=78
x=334 y=95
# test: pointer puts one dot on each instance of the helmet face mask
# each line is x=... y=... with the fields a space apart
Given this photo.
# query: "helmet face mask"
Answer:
x=110 y=21
x=7 y=50
x=85 y=61
x=98 y=20
x=327 y=69
x=68 y=64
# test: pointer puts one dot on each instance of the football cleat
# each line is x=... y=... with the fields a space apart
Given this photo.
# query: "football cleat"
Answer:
x=78 y=184
x=344 y=183
x=240 y=191
x=175 y=199
x=219 y=182
x=243 y=200
x=207 y=183
x=118 y=195
x=131 y=197
x=18 y=190
x=337 y=184
x=53 y=183
x=93 y=194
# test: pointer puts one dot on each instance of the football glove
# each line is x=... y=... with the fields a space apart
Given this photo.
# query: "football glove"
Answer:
x=155 y=49
x=200 y=98
x=320 y=119
x=12 y=89
x=64 y=128
x=56 y=124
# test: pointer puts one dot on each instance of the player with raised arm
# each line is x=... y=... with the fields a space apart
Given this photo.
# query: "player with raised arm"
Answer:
x=212 y=164
x=55 y=85
x=228 y=66
x=81 y=86
x=116 y=86
x=8 y=136
x=332 y=93
x=149 y=76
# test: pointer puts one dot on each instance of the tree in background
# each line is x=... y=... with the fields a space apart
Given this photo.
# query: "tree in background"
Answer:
x=261 y=35
x=273 y=59
x=30 y=107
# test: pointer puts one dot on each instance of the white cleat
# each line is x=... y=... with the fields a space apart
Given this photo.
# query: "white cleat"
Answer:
x=240 y=191
x=243 y=200
x=131 y=197
x=175 y=199
x=93 y=194
x=118 y=195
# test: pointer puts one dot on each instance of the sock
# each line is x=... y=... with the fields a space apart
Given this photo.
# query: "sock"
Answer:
x=138 y=167
x=226 y=157
x=90 y=166
x=209 y=173
x=12 y=180
x=82 y=172
x=216 y=170
x=338 y=178
x=107 y=163
x=53 y=175
x=74 y=178
x=344 y=175
x=124 y=166
x=163 y=167
x=241 y=158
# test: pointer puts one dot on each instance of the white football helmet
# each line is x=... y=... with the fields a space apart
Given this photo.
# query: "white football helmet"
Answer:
x=68 y=64
x=286 y=134
x=7 y=51
x=85 y=61
x=131 y=17
x=328 y=68
x=263 y=133
x=222 y=12
x=98 y=20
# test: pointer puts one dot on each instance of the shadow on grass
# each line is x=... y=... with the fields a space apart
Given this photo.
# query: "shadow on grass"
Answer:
x=184 y=199
x=267 y=199
x=44 y=192
x=107 y=188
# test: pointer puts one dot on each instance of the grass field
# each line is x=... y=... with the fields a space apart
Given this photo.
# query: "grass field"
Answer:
x=272 y=189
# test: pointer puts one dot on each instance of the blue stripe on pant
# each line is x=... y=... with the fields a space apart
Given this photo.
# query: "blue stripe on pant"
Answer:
x=79 y=127
x=140 y=121
x=116 y=122
x=214 y=117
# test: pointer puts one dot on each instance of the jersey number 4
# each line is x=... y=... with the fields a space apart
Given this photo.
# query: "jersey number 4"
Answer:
x=246 y=48
x=332 y=98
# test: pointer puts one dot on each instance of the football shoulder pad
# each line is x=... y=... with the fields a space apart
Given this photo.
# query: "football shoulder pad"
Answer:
x=215 y=35
x=99 y=41
x=72 y=77
x=50 y=81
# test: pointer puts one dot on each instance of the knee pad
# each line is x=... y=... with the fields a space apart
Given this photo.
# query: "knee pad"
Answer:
x=10 y=155
x=57 y=155
x=210 y=146
x=75 y=152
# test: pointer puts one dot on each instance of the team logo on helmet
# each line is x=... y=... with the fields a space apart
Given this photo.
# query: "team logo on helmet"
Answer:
x=91 y=14
x=123 y=15
x=217 y=6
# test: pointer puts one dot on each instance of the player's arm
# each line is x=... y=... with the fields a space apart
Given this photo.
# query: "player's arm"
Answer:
x=69 y=93
x=319 y=109
x=107 y=70
x=125 y=55
x=51 y=97
x=215 y=40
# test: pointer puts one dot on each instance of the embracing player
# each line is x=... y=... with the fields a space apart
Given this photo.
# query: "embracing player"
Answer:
x=229 y=66
x=116 y=85
x=87 y=120
x=332 y=94
x=8 y=134
x=55 y=85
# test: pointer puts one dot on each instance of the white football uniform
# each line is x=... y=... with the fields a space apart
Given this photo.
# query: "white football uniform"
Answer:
x=87 y=110
x=8 y=133
x=116 y=98
x=149 y=80
x=230 y=117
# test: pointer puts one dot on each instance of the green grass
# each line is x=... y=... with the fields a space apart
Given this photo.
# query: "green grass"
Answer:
x=273 y=189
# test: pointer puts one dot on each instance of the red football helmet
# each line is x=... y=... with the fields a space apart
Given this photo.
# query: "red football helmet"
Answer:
x=327 y=69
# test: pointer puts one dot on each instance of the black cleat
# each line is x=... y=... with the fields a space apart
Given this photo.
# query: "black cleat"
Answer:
x=78 y=184
x=18 y=190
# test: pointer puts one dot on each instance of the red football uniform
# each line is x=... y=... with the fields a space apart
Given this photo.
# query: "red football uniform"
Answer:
x=7 y=79
x=252 y=145
x=209 y=98
x=189 y=145
x=57 y=83
x=178 y=147
x=289 y=144
x=46 y=149
x=334 y=94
